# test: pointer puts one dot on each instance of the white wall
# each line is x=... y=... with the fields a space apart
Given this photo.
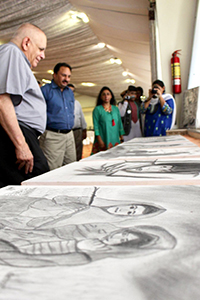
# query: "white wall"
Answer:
x=194 y=76
x=87 y=103
x=176 y=21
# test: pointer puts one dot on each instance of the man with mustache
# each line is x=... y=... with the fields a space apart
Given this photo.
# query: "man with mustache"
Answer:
x=22 y=107
x=57 y=142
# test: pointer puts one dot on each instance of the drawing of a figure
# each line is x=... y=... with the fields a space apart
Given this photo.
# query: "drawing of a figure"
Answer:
x=66 y=230
x=155 y=169
x=127 y=151
x=22 y=212
x=84 y=243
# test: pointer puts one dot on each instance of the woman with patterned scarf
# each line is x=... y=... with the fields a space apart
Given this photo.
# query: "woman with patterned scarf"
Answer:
x=160 y=110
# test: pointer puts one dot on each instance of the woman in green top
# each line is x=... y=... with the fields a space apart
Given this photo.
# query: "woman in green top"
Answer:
x=107 y=122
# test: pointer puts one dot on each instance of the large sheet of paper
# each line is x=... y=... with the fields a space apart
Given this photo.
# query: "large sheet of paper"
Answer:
x=99 y=242
x=165 y=160
x=124 y=172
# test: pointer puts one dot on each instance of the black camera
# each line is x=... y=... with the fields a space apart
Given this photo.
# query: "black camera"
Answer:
x=153 y=91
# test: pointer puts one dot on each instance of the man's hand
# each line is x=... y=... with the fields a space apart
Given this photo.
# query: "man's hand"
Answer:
x=24 y=158
x=8 y=121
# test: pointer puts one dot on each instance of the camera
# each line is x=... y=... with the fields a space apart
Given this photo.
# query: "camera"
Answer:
x=153 y=91
x=129 y=97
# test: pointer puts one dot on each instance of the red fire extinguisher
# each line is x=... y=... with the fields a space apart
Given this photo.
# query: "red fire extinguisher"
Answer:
x=176 y=72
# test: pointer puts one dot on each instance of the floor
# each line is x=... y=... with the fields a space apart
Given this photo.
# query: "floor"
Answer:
x=194 y=140
x=87 y=150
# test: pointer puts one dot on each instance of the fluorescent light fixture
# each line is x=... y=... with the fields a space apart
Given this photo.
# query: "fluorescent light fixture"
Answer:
x=115 y=61
x=130 y=80
x=50 y=71
x=46 y=81
x=73 y=16
x=125 y=73
x=84 y=17
x=118 y=61
x=101 y=45
x=87 y=84
x=79 y=15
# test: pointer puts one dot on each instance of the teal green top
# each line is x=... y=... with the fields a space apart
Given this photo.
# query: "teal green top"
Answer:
x=103 y=126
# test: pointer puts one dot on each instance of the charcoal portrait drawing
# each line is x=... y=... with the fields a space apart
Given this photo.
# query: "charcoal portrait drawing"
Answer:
x=47 y=232
x=66 y=242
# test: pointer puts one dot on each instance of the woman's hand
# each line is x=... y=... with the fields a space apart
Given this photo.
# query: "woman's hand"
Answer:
x=121 y=138
x=159 y=90
x=101 y=143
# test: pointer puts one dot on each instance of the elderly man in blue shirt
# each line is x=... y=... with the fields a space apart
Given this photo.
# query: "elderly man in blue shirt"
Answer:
x=57 y=142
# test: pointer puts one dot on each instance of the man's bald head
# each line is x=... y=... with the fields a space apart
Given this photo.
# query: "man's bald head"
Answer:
x=32 y=41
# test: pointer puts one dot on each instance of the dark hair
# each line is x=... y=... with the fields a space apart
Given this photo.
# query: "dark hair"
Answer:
x=59 y=65
x=159 y=82
x=123 y=93
x=140 y=89
x=99 y=100
x=71 y=85
x=131 y=88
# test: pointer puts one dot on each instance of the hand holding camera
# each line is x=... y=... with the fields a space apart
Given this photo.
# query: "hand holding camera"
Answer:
x=155 y=92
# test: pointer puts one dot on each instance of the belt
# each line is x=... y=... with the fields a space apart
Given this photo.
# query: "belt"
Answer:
x=74 y=129
x=58 y=130
x=29 y=128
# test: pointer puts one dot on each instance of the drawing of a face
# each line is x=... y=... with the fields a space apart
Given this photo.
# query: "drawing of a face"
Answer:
x=163 y=170
x=133 y=209
x=120 y=237
x=153 y=169
x=126 y=210
x=128 y=241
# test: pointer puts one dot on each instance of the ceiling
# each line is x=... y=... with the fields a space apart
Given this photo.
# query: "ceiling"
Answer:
x=121 y=24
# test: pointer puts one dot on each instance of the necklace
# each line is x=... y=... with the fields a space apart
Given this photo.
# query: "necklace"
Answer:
x=108 y=109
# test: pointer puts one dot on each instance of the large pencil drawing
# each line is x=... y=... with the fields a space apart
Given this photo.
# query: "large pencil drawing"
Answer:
x=161 y=169
x=69 y=230
x=58 y=240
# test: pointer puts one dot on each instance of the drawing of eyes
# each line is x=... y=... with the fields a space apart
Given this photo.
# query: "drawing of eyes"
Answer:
x=136 y=210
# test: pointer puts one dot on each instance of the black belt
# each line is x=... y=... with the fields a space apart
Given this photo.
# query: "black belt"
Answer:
x=29 y=128
x=58 y=130
x=74 y=129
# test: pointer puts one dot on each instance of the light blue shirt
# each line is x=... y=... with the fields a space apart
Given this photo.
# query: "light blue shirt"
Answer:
x=79 y=121
x=18 y=81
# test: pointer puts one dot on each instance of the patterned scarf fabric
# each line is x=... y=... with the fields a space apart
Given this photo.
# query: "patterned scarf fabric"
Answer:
x=134 y=111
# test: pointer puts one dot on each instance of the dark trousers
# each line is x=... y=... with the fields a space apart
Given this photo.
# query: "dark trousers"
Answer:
x=9 y=173
x=78 y=137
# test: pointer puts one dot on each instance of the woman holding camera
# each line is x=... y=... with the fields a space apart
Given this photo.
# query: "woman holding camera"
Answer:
x=160 y=110
x=108 y=126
